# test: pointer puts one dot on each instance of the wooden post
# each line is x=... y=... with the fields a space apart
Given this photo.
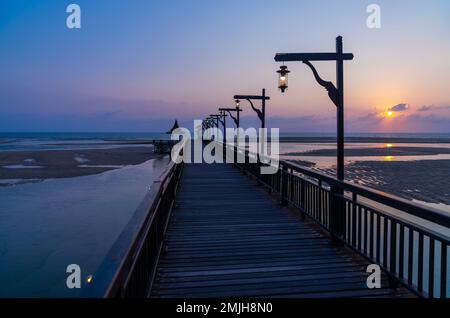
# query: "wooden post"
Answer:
x=284 y=185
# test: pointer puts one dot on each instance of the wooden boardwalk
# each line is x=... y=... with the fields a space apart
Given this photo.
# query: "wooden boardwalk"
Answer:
x=227 y=237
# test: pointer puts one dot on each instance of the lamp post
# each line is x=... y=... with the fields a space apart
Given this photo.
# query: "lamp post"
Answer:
x=229 y=111
x=215 y=120
x=207 y=123
x=336 y=94
x=221 y=117
x=260 y=112
x=236 y=122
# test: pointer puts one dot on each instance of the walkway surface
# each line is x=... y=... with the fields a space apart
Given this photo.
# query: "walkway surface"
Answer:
x=228 y=237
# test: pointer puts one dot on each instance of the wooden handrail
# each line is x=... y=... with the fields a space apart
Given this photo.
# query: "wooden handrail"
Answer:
x=115 y=276
x=416 y=209
x=375 y=231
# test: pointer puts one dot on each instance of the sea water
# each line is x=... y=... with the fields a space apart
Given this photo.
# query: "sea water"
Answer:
x=46 y=226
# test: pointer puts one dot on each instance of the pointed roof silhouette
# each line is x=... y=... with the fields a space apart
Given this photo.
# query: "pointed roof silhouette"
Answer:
x=175 y=126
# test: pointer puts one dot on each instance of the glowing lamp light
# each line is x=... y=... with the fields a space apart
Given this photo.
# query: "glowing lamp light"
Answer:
x=283 y=78
x=238 y=103
x=89 y=279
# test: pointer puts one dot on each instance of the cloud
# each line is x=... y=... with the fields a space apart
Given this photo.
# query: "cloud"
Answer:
x=399 y=108
x=308 y=123
x=426 y=108
x=368 y=122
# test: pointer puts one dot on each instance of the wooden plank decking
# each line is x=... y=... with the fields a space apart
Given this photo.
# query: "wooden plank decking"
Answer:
x=227 y=237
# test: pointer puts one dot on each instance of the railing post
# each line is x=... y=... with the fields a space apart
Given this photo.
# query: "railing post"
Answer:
x=337 y=212
x=302 y=199
x=353 y=218
x=258 y=171
x=393 y=282
x=246 y=164
x=284 y=185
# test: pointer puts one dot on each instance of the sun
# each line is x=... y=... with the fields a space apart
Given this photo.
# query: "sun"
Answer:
x=387 y=114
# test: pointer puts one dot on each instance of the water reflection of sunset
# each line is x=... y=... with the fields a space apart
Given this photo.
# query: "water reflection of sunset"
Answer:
x=389 y=158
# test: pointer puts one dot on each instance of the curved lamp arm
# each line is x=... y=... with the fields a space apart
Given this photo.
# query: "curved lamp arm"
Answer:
x=329 y=86
x=258 y=112
x=232 y=117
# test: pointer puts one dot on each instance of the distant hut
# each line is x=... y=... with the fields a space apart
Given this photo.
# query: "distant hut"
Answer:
x=175 y=126
x=164 y=146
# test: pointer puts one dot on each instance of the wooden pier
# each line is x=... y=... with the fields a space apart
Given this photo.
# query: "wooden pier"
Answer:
x=223 y=230
x=229 y=238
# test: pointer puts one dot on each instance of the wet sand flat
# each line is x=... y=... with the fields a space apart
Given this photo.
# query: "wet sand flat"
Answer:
x=69 y=163
x=370 y=152
x=306 y=139
x=424 y=180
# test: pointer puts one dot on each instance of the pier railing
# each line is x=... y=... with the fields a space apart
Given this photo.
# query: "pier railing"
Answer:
x=129 y=268
x=402 y=237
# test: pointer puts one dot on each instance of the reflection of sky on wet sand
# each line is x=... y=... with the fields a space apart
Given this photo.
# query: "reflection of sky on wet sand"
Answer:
x=367 y=178
x=48 y=225
x=327 y=162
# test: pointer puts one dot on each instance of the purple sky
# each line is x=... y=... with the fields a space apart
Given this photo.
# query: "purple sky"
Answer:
x=136 y=66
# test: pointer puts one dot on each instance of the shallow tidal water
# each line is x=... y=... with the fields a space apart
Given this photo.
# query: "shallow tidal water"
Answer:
x=48 y=225
x=328 y=161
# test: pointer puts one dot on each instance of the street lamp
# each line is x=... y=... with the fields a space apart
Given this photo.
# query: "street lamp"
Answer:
x=207 y=123
x=336 y=94
x=260 y=112
x=230 y=113
x=221 y=117
x=283 y=78
x=236 y=122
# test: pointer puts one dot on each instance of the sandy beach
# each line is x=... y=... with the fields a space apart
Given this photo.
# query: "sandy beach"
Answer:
x=69 y=163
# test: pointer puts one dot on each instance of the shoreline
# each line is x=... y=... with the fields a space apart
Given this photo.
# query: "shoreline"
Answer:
x=51 y=164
